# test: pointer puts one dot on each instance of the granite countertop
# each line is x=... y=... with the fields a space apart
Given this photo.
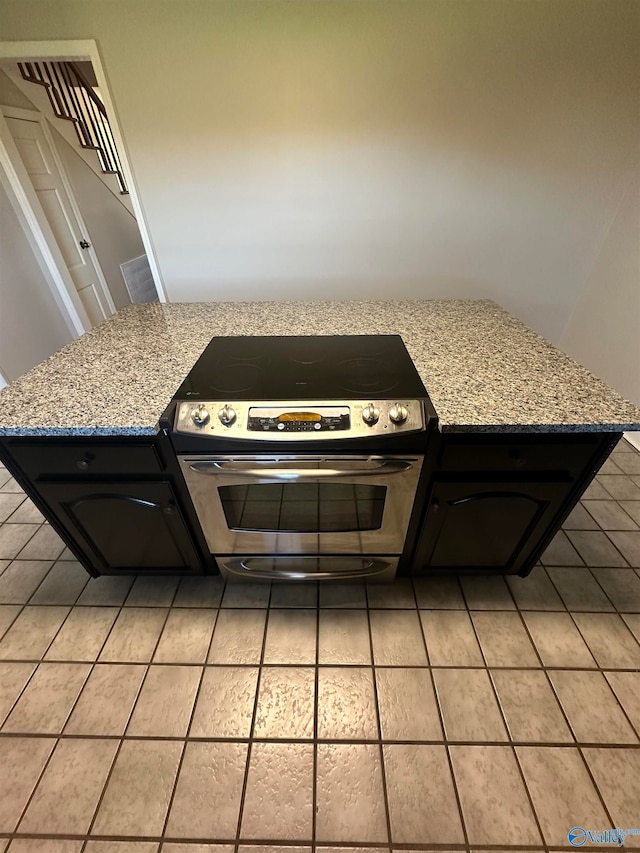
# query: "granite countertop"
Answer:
x=485 y=371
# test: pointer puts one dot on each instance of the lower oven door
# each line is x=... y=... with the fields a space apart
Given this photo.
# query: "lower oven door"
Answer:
x=303 y=505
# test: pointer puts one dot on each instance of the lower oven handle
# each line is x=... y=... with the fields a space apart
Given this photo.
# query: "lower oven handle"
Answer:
x=239 y=568
x=391 y=466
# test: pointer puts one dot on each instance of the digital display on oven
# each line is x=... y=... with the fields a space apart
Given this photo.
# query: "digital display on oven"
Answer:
x=321 y=419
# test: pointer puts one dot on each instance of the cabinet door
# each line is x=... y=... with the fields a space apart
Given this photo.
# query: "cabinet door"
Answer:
x=488 y=526
x=125 y=527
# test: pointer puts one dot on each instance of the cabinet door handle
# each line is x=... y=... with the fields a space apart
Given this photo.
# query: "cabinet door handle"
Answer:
x=169 y=510
x=519 y=461
x=83 y=464
x=435 y=505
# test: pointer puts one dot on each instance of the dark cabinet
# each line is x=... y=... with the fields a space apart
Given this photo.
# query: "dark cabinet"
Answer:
x=88 y=459
x=486 y=525
x=125 y=526
x=493 y=502
x=120 y=503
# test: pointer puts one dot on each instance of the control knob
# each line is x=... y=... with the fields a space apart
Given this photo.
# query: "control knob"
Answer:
x=227 y=415
x=398 y=413
x=200 y=415
x=370 y=414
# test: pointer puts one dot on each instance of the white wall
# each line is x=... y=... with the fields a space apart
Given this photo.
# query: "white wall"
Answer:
x=114 y=231
x=31 y=326
x=604 y=329
x=367 y=148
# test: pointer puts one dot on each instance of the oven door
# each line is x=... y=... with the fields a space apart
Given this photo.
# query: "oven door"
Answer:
x=303 y=504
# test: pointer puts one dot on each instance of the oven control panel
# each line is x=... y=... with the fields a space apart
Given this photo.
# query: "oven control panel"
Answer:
x=299 y=421
x=322 y=419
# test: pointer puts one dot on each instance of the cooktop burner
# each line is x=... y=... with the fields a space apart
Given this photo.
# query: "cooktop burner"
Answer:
x=366 y=375
x=234 y=377
x=303 y=368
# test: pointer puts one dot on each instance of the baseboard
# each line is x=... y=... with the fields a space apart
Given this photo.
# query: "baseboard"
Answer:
x=633 y=438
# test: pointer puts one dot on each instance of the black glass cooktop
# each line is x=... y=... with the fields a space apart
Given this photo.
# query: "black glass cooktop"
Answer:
x=334 y=367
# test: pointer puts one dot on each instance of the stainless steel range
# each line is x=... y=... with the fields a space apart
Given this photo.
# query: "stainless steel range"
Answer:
x=302 y=455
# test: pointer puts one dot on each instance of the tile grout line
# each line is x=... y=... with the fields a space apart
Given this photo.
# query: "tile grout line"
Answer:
x=24 y=545
x=40 y=661
x=604 y=591
x=546 y=669
x=18 y=508
x=138 y=662
x=135 y=702
x=584 y=503
x=297 y=844
x=134 y=662
x=36 y=784
x=584 y=761
x=595 y=785
x=54 y=563
x=635 y=729
x=602 y=671
x=109 y=632
x=615 y=695
x=21 y=606
x=580 y=750
x=634 y=747
x=600 y=667
x=627 y=562
x=581 y=565
x=316 y=680
x=254 y=713
x=147 y=664
x=179 y=608
x=447 y=748
x=38 y=585
x=4 y=719
x=91 y=671
x=503 y=717
x=550 y=682
x=191 y=715
x=383 y=775
x=124 y=608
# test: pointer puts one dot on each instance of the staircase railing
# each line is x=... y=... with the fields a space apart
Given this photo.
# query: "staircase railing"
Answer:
x=72 y=97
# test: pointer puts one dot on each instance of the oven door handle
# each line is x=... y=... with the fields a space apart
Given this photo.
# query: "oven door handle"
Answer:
x=390 y=466
x=242 y=568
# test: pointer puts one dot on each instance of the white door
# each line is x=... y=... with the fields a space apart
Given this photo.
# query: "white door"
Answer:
x=62 y=215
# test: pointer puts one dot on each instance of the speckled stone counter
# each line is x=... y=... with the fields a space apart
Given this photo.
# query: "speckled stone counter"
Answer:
x=485 y=371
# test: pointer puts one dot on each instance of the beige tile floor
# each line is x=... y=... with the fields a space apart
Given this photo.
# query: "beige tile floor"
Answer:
x=449 y=714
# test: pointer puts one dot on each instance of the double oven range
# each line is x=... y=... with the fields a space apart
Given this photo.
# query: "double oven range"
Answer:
x=302 y=455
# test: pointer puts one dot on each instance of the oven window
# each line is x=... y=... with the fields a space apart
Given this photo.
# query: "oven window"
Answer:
x=303 y=507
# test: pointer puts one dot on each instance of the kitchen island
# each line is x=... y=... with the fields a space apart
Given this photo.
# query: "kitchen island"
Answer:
x=522 y=429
